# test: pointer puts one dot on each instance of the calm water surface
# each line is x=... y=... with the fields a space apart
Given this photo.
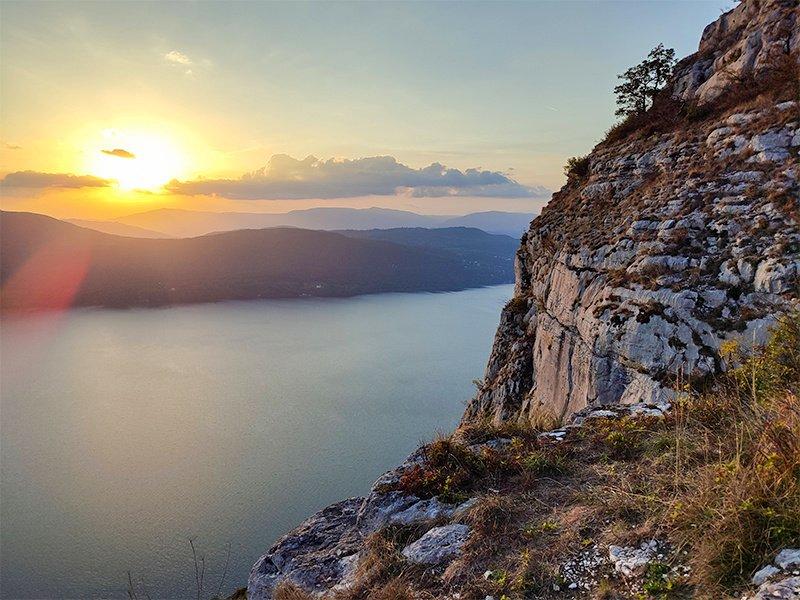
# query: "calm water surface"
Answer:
x=123 y=434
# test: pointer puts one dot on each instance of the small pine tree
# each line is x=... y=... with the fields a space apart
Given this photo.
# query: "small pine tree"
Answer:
x=641 y=83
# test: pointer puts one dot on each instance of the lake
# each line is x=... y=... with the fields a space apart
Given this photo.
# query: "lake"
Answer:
x=123 y=434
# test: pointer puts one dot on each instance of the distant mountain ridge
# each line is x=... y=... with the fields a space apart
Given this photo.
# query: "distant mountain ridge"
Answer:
x=469 y=243
x=47 y=263
x=117 y=228
x=187 y=223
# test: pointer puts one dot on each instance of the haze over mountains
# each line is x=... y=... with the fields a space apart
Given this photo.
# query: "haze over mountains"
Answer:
x=117 y=228
x=47 y=263
x=168 y=222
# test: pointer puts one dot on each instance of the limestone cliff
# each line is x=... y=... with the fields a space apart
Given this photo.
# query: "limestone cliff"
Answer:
x=682 y=232
x=679 y=237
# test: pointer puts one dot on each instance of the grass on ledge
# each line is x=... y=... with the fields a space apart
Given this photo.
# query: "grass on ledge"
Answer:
x=717 y=480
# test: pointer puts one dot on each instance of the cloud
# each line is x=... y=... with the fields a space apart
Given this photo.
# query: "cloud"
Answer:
x=119 y=152
x=285 y=177
x=35 y=179
x=177 y=57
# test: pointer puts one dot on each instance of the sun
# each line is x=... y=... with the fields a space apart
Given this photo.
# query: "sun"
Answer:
x=136 y=160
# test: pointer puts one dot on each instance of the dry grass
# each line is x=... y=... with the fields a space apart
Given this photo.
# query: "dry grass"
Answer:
x=395 y=589
x=288 y=591
x=719 y=477
x=448 y=470
x=492 y=514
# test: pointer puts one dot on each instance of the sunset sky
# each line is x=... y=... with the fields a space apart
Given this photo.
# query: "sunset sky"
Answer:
x=114 y=108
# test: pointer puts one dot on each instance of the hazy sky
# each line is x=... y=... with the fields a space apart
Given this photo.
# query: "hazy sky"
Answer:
x=212 y=90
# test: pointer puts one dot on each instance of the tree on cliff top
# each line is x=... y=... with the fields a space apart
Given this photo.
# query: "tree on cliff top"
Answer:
x=641 y=83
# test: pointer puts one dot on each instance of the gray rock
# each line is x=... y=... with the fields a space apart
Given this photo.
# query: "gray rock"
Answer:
x=312 y=556
x=630 y=561
x=596 y=190
x=398 y=508
x=775 y=276
x=719 y=133
x=714 y=298
x=763 y=574
x=770 y=146
x=439 y=545
x=741 y=118
x=786 y=589
x=787 y=558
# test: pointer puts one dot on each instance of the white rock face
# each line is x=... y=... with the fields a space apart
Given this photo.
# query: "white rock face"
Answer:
x=439 y=545
x=743 y=42
x=633 y=277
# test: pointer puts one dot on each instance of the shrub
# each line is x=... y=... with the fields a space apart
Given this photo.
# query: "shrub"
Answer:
x=622 y=439
x=766 y=371
x=448 y=470
x=577 y=167
x=517 y=305
x=546 y=461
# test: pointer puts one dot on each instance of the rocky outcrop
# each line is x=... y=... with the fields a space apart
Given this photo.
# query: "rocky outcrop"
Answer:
x=780 y=580
x=630 y=282
x=742 y=44
x=323 y=552
x=315 y=556
x=438 y=545
x=633 y=277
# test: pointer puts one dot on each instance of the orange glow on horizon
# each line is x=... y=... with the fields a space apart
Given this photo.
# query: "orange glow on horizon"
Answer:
x=136 y=160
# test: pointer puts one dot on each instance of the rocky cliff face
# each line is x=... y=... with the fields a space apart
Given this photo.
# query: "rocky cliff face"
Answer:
x=684 y=233
x=743 y=43
x=634 y=275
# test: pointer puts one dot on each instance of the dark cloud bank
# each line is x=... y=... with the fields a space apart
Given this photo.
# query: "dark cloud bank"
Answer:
x=35 y=180
x=284 y=177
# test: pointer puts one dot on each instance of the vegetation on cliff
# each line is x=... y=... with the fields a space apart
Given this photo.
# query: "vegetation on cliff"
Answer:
x=644 y=295
x=715 y=483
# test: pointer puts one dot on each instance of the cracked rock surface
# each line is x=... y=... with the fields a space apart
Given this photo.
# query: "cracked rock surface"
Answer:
x=631 y=279
x=630 y=282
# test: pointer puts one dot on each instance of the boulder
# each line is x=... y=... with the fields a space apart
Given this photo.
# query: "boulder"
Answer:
x=437 y=546
x=314 y=556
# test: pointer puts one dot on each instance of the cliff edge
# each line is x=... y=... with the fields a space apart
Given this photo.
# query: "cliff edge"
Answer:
x=642 y=387
x=681 y=234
